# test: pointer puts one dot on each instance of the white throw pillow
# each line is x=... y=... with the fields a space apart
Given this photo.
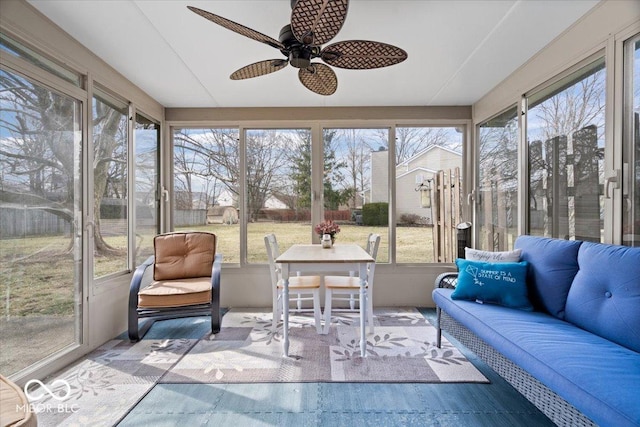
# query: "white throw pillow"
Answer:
x=487 y=256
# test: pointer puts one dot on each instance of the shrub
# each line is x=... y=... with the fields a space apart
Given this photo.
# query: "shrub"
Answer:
x=375 y=213
x=410 y=219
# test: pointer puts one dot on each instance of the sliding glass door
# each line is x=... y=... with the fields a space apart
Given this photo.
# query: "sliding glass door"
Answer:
x=566 y=139
x=40 y=222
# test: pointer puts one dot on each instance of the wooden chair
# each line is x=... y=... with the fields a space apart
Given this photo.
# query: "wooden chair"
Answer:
x=186 y=282
x=301 y=288
x=347 y=288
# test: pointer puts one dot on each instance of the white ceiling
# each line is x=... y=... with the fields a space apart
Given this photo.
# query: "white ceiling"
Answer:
x=458 y=50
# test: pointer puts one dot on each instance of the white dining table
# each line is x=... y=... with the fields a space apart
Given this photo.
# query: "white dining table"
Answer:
x=316 y=259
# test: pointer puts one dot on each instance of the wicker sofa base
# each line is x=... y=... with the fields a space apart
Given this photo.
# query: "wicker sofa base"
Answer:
x=553 y=406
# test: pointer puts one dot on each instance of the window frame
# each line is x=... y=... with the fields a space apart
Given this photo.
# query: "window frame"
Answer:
x=547 y=90
x=317 y=127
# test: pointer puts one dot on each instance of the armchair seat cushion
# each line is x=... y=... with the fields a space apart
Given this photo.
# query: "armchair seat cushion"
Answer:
x=176 y=293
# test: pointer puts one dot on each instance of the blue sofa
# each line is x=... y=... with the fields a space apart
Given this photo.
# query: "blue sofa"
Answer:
x=576 y=356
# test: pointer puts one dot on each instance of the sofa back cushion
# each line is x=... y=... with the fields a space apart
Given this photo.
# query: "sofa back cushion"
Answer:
x=605 y=295
x=553 y=263
x=183 y=255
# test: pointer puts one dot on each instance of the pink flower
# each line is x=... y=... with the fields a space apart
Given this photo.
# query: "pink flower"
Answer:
x=327 y=227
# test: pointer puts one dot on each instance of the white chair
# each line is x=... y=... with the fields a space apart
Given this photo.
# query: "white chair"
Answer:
x=301 y=288
x=347 y=288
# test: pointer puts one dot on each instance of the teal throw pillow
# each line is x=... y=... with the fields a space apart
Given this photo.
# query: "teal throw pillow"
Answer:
x=496 y=283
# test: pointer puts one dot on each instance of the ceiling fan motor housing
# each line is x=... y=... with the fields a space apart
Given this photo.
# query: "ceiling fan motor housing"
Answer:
x=300 y=57
x=299 y=54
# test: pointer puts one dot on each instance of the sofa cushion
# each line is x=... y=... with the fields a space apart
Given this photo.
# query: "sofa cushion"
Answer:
x=605 y=295
x=600 y=378
x=488 y=256
x=183 y=255
x=553 y=264
x=497 y=283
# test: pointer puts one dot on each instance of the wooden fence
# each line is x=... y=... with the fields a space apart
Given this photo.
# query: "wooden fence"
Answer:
x=189 y=217
x=496 y=216
x=22 y=222
x=448 y=214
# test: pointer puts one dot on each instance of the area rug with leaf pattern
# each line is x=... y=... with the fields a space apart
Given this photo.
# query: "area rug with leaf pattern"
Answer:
x=100 y=388
x=401 y=349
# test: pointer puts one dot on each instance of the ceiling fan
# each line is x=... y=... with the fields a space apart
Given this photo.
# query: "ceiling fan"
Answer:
x=313 y=23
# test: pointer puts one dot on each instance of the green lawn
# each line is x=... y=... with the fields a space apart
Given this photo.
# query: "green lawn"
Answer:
x=415 y=244
x=37 y=273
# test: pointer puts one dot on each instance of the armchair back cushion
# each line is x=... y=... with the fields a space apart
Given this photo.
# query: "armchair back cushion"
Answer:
x=183 y=255
x=553 y=264
x=605 y=296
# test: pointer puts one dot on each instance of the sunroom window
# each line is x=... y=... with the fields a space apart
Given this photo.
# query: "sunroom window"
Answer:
x=565 y=136
x=497 y=211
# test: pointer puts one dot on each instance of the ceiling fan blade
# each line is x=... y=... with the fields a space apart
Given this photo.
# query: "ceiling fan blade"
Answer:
x=319 y=78
x=315 y=22
x=259 y=69
x=238 y=28
x=362 y=54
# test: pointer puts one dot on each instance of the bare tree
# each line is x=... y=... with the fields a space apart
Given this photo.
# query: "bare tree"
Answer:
x=580 y=105
x=498 y=151
x=267 y=167
x=213 y=155
x=40 y=151
x=205 y=162
x=357 y=149
x=37 y=158
x=109 y=165
x=413 y=140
